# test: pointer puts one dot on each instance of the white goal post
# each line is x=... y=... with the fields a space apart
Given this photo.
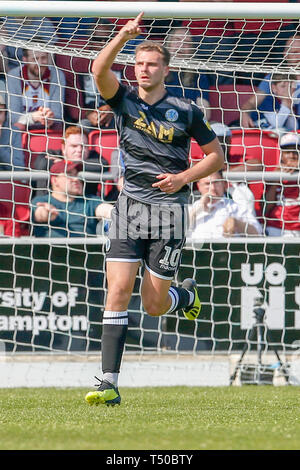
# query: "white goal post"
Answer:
x=52 y=290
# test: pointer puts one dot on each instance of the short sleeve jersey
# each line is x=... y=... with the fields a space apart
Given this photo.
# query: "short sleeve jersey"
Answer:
x=155 y=139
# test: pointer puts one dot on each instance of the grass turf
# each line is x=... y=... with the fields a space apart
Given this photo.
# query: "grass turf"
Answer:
x=173 y=418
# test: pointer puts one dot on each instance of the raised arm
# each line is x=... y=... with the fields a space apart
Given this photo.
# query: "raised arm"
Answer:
x=105 y=79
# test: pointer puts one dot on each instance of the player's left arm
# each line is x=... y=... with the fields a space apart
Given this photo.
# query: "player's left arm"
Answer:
x=214 y=161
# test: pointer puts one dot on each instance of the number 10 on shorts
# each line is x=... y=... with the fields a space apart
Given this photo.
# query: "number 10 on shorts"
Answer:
x=171 y=258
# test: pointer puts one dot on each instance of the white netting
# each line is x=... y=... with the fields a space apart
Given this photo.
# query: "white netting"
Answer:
x=52 y=291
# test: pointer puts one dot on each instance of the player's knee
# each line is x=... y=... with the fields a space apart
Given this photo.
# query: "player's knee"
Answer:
x=120 y=294
x=154 y=309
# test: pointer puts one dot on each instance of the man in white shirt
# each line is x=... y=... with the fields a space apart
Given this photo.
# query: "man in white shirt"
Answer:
x=215 y=216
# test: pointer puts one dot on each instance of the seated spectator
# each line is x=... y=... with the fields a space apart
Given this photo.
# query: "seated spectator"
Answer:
x=291 y=57
x=215 y=216
x=36 y=92
x=282 y=210
x=238 y=191
x=24 y=28
x=11 y=151
x=64 y=212
x=185 y=84
x=275 y=110
x=74 y=148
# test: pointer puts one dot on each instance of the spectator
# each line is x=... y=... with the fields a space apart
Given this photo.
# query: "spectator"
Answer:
x=239 y=192
x=291 y=60
x=38 y=29
x=11 y=151
x=74 y=148
x=240 y=162
x=64 y=212
x=275 y=111
x=215 y=216
x=282 y=210
x=185 y=84
x=36 y=92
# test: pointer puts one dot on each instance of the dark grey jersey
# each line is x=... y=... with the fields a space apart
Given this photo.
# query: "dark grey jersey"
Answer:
x=155 y=139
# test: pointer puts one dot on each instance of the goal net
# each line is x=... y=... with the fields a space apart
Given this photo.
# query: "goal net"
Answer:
x=226 y=57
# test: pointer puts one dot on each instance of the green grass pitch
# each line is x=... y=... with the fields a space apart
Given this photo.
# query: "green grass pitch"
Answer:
x=172 y=418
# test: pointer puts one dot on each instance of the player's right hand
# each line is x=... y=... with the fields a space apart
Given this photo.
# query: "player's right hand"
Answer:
x=131 y=29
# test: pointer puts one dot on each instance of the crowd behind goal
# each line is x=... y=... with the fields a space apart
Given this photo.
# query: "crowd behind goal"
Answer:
x=51 y=113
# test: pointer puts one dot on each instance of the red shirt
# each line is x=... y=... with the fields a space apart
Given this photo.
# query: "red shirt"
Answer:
x=11 y=228
x=286 y=213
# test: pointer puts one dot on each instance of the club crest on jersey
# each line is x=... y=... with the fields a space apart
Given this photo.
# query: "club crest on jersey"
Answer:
x=171 y=115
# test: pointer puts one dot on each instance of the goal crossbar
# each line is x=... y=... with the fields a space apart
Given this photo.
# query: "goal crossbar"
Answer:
x=152 y=9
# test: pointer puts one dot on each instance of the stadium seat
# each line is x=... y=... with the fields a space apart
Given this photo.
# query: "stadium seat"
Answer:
x=254 y=143
x=15 y=207
x=39 y=141
x=226 y=101
x=196 y=152
x=73 y=67
x=258 y=144
x=104 y=142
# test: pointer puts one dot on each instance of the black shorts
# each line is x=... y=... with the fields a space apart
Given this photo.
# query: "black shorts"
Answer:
x=149 y=233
